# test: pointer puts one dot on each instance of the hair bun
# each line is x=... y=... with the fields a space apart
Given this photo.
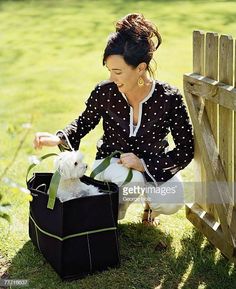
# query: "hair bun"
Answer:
x=135 y=27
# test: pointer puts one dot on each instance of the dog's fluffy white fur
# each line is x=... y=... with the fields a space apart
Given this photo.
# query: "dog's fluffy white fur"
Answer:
x=71 y=168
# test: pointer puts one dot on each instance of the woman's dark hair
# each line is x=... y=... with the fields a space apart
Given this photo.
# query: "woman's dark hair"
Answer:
x=133 y=40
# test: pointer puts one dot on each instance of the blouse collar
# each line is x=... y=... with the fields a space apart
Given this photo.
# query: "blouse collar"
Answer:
x=147 y=97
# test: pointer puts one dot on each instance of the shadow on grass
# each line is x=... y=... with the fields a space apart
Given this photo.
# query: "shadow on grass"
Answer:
x=200 y=263
x=144 y=264
x=140 y=257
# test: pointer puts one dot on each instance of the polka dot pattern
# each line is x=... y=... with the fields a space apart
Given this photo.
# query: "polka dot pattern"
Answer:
x=162 y=113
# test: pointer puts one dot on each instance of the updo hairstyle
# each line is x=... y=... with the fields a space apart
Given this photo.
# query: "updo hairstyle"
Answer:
x=133 y=41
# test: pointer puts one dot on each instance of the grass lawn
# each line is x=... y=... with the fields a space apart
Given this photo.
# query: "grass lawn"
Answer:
x=50 y=60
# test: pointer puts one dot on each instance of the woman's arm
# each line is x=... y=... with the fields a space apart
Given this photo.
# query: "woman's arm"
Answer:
x=46 y=139
x=165 y=165
x=87 y=121
x=76 y=129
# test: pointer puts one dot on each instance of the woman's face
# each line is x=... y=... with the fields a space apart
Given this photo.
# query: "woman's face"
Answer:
x=122 y=74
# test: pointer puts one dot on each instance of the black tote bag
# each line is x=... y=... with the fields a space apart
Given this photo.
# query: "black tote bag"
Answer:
x=79 y=236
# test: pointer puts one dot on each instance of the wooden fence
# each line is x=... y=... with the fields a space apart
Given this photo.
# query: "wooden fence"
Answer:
x=210 y=93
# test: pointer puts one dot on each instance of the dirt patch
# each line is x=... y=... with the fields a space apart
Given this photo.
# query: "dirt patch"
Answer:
x=4 y=265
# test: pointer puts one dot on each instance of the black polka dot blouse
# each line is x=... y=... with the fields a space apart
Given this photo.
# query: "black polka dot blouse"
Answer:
x=161 y=112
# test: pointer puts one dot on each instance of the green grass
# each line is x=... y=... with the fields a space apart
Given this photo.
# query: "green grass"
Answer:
x=50 y=60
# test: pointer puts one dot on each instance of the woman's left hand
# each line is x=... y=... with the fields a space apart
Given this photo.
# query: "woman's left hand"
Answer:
x=131 y=161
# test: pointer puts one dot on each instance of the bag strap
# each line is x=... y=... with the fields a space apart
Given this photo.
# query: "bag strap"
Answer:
x=35 y=164
x=52 y=191
x=105 y=163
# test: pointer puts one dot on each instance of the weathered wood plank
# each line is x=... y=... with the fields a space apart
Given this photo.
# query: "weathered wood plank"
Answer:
x=233 y=220
x=235 y=63
x=217 y=92
x=226 y=115
x=226 y=59
x=211 y=229
x=212 y=162
x=198 y=52
x=211 y=71
x=198 y=67
x=211 y=59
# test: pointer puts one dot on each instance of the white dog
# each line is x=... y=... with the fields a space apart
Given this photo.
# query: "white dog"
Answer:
x=71 y=168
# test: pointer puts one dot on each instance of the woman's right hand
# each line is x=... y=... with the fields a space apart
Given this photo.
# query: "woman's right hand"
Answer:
x=45 y=139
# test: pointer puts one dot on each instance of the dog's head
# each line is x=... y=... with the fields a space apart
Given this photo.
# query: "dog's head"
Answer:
x=70 y=165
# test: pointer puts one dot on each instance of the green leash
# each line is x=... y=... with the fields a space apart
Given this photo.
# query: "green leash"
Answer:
x=105 y=163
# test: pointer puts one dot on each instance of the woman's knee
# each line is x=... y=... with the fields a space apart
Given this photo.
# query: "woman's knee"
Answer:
x=168 y=198
x=166 y=209
x=117 y=173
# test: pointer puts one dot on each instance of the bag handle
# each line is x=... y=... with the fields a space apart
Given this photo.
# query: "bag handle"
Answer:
x=35 y=164
x=67 y=141
x=105 y=163
x=52 y=191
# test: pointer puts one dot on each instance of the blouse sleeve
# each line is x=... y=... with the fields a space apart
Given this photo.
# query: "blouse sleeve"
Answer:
x=82 y=125
x=165 y=165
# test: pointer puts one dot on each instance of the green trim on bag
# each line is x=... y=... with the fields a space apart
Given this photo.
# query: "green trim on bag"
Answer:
x=37 y=237
x=105 y=163
x=73 y=235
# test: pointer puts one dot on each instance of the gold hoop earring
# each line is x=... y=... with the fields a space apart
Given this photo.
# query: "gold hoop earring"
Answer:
x=140 y=82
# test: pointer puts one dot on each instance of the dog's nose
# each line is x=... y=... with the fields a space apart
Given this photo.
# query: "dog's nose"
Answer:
x=75 y=163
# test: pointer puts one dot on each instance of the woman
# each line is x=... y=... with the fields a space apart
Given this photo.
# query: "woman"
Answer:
x=138 y=112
